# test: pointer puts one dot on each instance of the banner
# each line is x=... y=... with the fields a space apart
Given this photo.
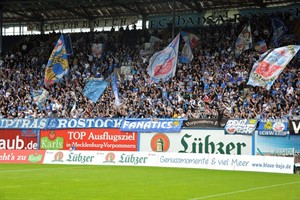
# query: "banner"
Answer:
x=115 y=89
x=204 y=123
x=58 y=64
x=274 y=127
x=227 y=162
x=279 y=30
x=89 y=139
x=19 y=139
x=101 y=158
x=162 y=65
x=198 y=161
x=22 y=156
x=196 y=142
x=152 y=125
x=94 y=89
x=187 y=21
x=294 y=127
x=97 y=49
x=23 y=123
x=244 y=41
x=60 y=123
x=74 y=24
x=241 y=126
x=270 y=65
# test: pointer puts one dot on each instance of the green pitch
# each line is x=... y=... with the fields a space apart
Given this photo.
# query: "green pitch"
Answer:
x=64 y=182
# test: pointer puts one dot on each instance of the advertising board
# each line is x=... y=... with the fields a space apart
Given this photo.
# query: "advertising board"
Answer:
x=22 y=156
x=17 y=139
x=89 y=139
x=196 y=141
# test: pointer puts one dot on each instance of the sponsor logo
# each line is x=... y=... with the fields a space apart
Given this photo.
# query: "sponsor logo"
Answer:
x=33 y=158
x=79 y=158
x=278 y=126
x=52 y=142
x=205 y=145
x=110 y=158
x=126 y=158
x=160 y=142
x=58 y=157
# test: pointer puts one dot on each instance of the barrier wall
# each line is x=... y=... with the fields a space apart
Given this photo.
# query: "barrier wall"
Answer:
x=240 y=141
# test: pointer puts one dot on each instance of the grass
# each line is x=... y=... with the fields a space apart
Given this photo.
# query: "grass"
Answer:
x=64 y=182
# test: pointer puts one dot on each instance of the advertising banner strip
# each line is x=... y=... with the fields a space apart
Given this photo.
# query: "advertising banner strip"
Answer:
x=274 y=127
x=103 y=139
x=179 y=160
x=241 y=126
x=204 y=123
x=59 y=123
x=22 y=156
x=55 y=123
x=294 y=127
x=152 y=125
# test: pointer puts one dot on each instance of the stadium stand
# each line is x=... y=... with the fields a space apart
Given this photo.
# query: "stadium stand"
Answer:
x=213 y=85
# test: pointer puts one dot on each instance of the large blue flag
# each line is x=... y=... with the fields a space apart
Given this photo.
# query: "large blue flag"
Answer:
x=94 y=89
x=115 y=88
x=162 y=65
x=279 y=30
x=57 y=65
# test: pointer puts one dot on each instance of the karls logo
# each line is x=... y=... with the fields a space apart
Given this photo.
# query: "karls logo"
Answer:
x=34 y=158
x=110 y=158
x=52 y=142
x=295 y=127
x=160 y=142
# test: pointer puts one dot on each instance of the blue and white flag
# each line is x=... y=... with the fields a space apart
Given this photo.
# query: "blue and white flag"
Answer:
x=94 y=89
x=162 y=65
x=186 y=53
x=115 y=89
x=279 y=30
x=191 y=38
x=270 y=65
x=39 y=98
x=244 y=41
x=97 y=50
x=58 y=64
x=261 y=46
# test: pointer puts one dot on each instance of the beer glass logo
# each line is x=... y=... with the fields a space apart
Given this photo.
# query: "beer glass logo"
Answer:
x=160 y=142
x=58 y=157
x=110 y=158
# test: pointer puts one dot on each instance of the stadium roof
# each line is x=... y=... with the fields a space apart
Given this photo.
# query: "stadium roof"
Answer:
x=16 y=11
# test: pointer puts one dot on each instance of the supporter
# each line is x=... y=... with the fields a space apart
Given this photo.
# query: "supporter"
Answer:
x=212 y=86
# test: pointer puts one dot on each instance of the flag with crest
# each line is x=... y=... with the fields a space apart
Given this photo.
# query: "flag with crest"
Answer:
x=162 y=65
x=57 y=65
x=266 y=70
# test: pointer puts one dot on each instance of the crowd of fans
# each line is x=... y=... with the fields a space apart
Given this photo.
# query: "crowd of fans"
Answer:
x=213 y=85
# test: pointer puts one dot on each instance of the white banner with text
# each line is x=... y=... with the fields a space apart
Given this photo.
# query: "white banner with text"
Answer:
x=180 y=160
